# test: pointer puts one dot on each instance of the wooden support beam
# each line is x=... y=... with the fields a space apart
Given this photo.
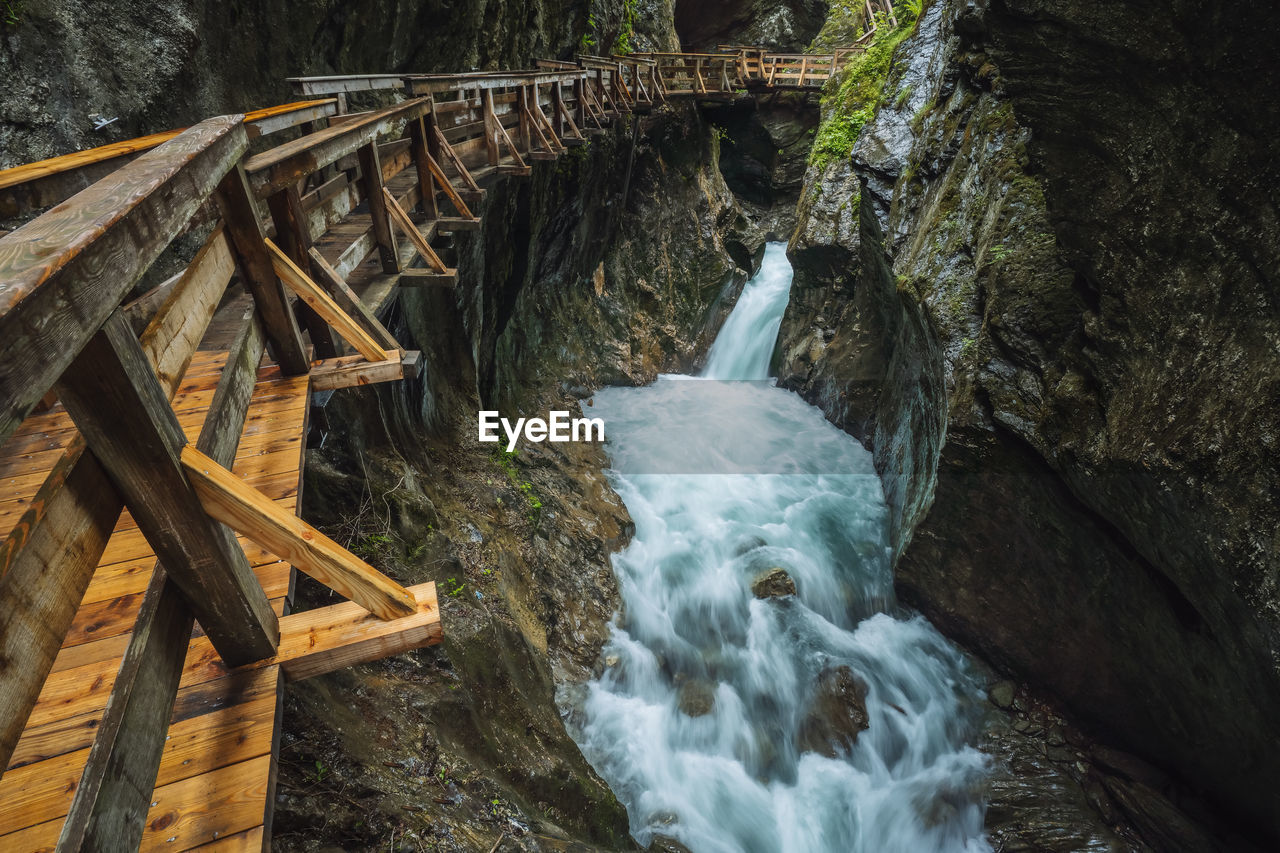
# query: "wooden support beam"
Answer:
x=114 y=793
x=67 y=270
x=67 y=527
x=423 y=277
x=323 y=304
x=453 y=158
x=563 y=115
x=411 y=231
x=348 y=300
x=330 y=638
x=421 y=162
x=454 y=196
x=245 y=231
x=119 y=406
x=448 y=225
x=371 y=177
x=293 y=234
x=170 y=339
x=491 y=128
x=524 y=130
x=353 y=370
x=255 y=516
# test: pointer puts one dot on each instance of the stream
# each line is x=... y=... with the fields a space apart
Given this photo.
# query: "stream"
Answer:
x=725 y=721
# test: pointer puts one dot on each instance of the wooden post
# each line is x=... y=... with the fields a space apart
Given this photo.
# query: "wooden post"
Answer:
x=293 y=235
x=421 y=157
x=245 y=231
x=491 y=127
x=118 y=405
x=580 y=102
x=523 y=116
x=557 y=109
x=371 y=167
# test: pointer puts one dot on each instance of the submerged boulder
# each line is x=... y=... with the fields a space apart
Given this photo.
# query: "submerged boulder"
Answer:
x=697 y=698
x=774 y=583
x=838 y=713
x=666 y=844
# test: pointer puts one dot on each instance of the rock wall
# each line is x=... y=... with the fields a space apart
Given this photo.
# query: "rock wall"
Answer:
x=1042 y=290
x=785 y=26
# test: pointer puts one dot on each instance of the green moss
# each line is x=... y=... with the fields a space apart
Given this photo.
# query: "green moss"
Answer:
x=850 y=100
x=506 y=461
x=626 y=31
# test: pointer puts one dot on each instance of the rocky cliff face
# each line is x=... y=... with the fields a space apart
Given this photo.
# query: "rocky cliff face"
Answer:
x=781 y=26
x=1042 y=290
x=158 y=65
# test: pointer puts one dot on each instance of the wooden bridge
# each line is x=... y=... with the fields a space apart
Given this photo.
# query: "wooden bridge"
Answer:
x=152 y=429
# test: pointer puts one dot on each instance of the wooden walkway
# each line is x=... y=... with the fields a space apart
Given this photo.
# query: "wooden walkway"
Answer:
x=214 y=778
x=151 y=450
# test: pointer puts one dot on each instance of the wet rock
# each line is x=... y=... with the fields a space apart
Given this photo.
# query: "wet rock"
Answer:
x=1001 y=694
x=1075 y=489
x=697 y=698
x=666 y=844
x=774 y=583
x=788 y=25
x=837 y=715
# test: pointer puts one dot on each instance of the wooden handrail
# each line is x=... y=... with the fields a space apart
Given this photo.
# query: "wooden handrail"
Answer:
x=63 y=273
x=278 y=168
x=258 y=123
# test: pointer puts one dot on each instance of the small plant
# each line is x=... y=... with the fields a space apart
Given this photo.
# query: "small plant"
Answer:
x=11 y=12
x=454 y=587
x=321 y=771
x=506 y=461
x=588 y=41
x=998 y=252
x=367 y=546
x=903 y=97
x=626 y=32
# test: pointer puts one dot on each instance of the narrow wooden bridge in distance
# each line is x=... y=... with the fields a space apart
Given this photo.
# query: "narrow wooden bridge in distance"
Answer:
x=152 y=435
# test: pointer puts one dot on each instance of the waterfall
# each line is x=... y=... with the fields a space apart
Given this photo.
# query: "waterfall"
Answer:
x=825 y=720
x=745 y=343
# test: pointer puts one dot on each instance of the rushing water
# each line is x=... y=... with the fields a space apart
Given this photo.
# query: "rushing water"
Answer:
x=725 y=480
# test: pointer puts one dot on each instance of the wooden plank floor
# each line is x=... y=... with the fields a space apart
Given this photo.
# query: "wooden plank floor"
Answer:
x=217 y=771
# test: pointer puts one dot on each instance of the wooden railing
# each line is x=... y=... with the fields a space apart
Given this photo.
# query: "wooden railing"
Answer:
x=63 y=329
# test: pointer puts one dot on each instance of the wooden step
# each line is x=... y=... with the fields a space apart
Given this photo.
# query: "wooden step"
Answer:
x=424 y=278
x=449 y=225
